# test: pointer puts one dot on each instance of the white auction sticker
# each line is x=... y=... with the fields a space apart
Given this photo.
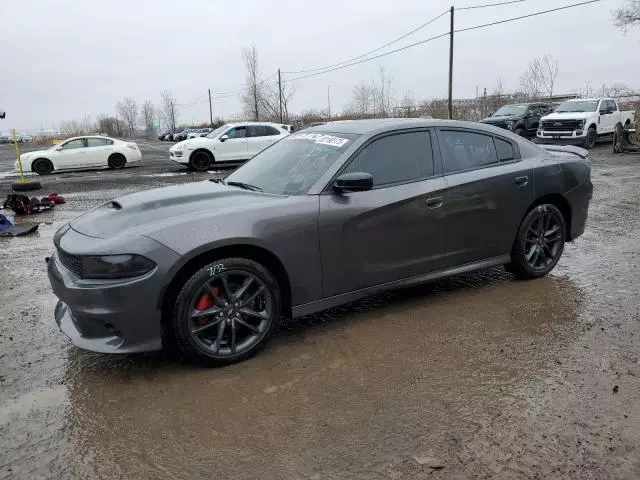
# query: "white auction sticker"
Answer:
x=321 y=139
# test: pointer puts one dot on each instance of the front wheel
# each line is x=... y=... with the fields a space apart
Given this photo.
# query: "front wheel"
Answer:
x=539 y=243
x=521 y=132
x=42 y=166
x=226 y=312
x=200 y=161
x=592 y=136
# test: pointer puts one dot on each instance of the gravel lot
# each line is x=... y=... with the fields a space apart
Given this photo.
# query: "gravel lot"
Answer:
x=481 y=376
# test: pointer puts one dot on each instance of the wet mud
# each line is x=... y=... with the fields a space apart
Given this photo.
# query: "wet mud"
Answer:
x=478 y=376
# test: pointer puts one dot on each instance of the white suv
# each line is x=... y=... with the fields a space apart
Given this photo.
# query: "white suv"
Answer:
x=233 y=142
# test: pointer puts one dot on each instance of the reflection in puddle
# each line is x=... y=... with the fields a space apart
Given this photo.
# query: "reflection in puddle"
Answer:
x=349 y=388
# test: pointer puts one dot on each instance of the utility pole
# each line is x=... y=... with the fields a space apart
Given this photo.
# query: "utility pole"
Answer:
x=451 y=68
x=210 y=110
x=329 y=102
x=280 y=93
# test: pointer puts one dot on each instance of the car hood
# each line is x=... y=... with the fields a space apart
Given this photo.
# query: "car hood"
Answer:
x=144 y=212
x=568 y=116
x=191 y=143
x=35 y=153
x=501 y=119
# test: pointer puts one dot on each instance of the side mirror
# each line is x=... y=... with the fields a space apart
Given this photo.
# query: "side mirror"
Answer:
x=224 y=137
x=491 y=112
x=58 y=148
x=353 y=182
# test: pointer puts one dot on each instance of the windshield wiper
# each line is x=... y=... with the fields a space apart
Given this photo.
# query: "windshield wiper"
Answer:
x=246 y=186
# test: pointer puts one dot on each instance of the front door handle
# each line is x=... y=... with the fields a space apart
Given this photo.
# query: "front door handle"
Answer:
x=521 y=181
x=434 y=202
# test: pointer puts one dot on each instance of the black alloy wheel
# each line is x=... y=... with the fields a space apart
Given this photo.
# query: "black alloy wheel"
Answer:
x=226 y=312
x=539 y=243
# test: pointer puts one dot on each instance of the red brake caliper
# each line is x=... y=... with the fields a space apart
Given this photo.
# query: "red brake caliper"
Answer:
x=205 y=302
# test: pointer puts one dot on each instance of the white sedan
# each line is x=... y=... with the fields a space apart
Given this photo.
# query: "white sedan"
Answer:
x=233 y=142
x=81 y=152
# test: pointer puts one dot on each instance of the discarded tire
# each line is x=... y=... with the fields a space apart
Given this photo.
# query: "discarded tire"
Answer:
x=26 y=186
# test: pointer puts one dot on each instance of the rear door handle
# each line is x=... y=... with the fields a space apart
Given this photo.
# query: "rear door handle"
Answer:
x=521 y=181
x=434 y=202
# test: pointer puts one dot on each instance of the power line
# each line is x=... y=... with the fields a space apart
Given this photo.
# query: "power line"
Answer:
x=472 y=7
x=475 y=27
x=377 y=49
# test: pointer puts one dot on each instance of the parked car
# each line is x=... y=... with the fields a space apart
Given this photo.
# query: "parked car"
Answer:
x=5 y=139
x=583 y=122
x=326 y=216
x=163 y=136
x=81 y=152
x=522 y=118
x=233 y=142
x=25 y=138
x=201 y=132
x=178 y=137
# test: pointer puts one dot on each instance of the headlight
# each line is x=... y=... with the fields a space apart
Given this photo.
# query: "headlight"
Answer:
x=115 y=266
x=510 y=125
x=581 y=124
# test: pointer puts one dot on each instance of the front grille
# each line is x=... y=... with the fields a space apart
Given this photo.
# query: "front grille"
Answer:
x=560 y=125
x=70 y=262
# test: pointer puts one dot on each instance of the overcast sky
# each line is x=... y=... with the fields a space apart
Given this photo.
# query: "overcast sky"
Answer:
x=67 y=58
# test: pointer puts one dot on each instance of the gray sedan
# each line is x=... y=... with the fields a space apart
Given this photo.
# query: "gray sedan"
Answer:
x=328 y=215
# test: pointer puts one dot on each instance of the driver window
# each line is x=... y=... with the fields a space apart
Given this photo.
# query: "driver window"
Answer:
x=72 y=144
x=237 y=132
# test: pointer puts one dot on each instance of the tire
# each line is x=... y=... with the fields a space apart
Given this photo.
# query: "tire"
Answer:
x=204 y=291
x=26 y=186
x=539 y=243
x=592 y=137
x=200 y=161
x=521 y=132
x=117 y=161
x=42 y=166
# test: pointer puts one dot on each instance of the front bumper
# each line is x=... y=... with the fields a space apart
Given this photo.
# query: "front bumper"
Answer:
x=561 y=138
x=110 y=316
x=179 y=156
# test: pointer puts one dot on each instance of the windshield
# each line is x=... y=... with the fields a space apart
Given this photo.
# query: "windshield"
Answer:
x=580 y=106
x=218 y=131
x=510 y=110
x=294 y=164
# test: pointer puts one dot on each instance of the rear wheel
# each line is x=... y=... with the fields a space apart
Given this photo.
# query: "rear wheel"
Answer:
x=117 y=161
x=226 y=312
x=200 y=161
x=42 y=166
x=539 y=243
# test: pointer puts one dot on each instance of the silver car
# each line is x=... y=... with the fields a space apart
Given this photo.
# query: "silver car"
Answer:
x=327 y=215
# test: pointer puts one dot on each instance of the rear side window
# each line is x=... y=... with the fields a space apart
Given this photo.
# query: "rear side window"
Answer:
x=97 y=142
x=504 y=150
x=399 y=158
x=466 y=150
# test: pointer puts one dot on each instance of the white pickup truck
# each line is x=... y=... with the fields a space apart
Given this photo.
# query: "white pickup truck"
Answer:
x=582 y=122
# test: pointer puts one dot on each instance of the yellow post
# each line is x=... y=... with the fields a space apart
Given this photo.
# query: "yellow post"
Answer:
x=15 y=142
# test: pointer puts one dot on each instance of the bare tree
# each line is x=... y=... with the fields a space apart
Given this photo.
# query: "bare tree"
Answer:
x=107 y=124
x=549 y=72
x=617 y=90
x=531 y=79
x=253 y=93
x=382 y=94
x=361 y=100
x=148 y=116
x=540 y=77
x=269 y=101
x=627 y=16
x=128 y=110
x=169 y=110
x=408 y=103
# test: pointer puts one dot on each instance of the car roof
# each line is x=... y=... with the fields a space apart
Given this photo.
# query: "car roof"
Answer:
x=381 y=125
x=583 y=100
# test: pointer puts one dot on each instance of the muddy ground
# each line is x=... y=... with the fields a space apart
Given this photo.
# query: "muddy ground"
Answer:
x=481 y=376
